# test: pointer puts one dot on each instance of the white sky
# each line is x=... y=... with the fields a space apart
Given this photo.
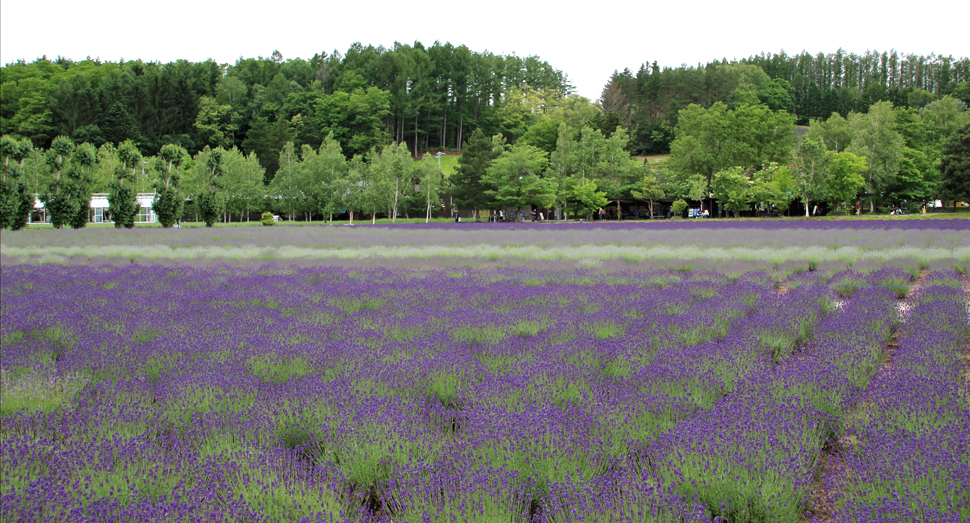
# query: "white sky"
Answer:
x=587 y=41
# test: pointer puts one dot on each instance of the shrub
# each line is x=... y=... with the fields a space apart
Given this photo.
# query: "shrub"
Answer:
x=267 y=218
x=210 y=207
x=678 y=207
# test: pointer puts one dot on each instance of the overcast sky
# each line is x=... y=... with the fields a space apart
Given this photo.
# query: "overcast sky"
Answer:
x=587 y=41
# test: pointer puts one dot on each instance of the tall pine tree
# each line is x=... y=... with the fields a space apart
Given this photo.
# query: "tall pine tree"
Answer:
x=955 y=166
x=210 y=201
x=467 y=183
x=168 y=203
x=82 y=163
x=57 y=200
x=121 y=200
x=16 y=201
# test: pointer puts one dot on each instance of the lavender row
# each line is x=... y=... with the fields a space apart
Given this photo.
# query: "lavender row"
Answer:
x=911 y=462
x=753 y=457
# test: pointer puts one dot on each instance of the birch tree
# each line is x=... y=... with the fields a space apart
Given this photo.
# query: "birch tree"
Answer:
x=811 y=171
x=874 y=137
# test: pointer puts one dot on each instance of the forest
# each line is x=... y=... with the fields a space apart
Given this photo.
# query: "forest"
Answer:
x=756 y=135
x=805 y=85
x=430 y=98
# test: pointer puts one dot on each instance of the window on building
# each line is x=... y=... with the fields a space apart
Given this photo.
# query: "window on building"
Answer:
x=145 y=215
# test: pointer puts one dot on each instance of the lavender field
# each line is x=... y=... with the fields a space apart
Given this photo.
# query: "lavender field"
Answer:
x=760 y=374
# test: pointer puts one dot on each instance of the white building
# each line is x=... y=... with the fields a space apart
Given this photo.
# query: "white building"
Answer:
x=99 y=208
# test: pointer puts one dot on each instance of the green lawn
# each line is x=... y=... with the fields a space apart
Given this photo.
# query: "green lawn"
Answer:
x=449 y=163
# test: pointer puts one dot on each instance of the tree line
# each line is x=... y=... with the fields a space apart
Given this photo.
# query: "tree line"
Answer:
x=428 y=97
x=265 y=134
x=808 y=86
x=748 y=155
x=215 y=183
x=743 y=157
x=321 y=182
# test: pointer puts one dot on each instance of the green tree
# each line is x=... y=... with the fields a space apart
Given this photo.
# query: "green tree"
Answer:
x=543 y=135
x=732 y=188
x=955 y=166
x=516 y=178
x=765 y=191
x=917 y=179
x=391 y=171
x=678 y=207
x=961 y=91
x=377 y=189
x=168 y=203
x=354 y=196
x=777 y=95
x=213 y=123
x=355 y=118
x=562 y=167
x=918 y=98
x=90 y=134
x=243 y=182
x=835 y=133
x=943 y=118
x=698 y=189
x=762 y=136
x=874 y=137
x=25 y=100
x=426 y=172
x=648 y=189
x=74 y=105
x=521 y=108
x=911 y=127
x=575 y=111
x=286 y=189
x=104 y=171
x=587 y=194
x=325 y=171
x=616 y=172
x=118 y=125
x=25 y=205
x=845 y=177
x=712 y=140
x=210 y=201
x=267 y=140
x=82 y=164
x=586 y=152
x=810 y=176
x=231 y=91
x=122 y=204
x=57 y=200
x=13 y=187
x=784 y=177
x=468 y=184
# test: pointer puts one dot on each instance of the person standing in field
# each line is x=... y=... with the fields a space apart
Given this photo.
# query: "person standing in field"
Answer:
x=858 y=208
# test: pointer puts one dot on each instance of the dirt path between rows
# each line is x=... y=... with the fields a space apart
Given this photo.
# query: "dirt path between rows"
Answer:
x=833 y=472
x=966 y=348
